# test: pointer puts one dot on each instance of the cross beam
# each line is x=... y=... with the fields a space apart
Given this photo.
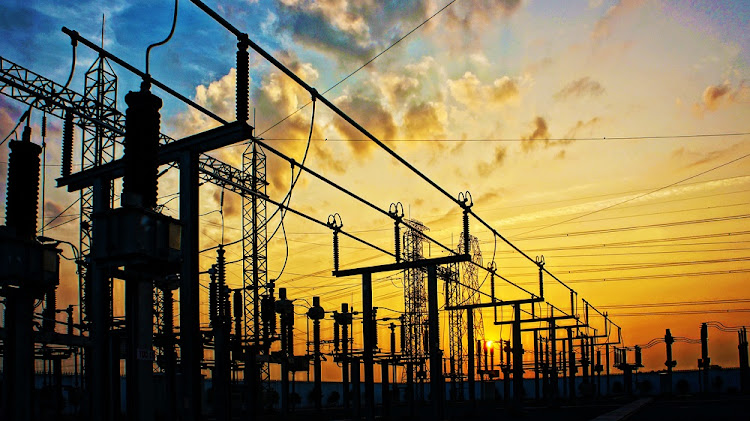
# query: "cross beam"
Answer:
x=498 y=303
x=197 y=144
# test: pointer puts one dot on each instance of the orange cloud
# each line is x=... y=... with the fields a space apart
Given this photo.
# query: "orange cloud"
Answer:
x=424 y=121
x=584 y=86
x=484 y=169
x=718 y=96
x=469 y=91
x=369 y=113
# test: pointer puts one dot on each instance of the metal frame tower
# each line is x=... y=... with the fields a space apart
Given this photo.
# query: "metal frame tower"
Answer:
x=470 y=280
x=98 y=147
x=415 y=297
x=455 y=295
x=254 y=254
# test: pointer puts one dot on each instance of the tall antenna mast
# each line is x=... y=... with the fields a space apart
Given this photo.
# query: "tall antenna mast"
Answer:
x=103 y=19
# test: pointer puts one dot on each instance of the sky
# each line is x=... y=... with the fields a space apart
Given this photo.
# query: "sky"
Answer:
x=611 y=137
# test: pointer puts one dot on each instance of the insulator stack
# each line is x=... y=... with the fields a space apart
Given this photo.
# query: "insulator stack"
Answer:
x=227 y=306
x=243 y=82
x=402 y=337
x=22 y=197
x=541 y=281
x=375 y=328
x=335 y=250
x=213 y=296
x=222 y=308
x=67 y=143
x=268 y=314
x=44 y=126
x=467 y=247
x=237 y=305
x=48 y=315
x=397 y=241
x=142 y=121
x=336 y=333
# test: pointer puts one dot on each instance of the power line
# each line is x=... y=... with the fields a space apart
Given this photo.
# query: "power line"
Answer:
x=637 y=227
x=681 y=312
x=677 y=303
x=603 y=138
x=638 y=196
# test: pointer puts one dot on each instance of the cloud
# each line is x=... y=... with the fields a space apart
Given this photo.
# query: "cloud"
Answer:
x=469 y=91
x=484 y=169
x=348 y=29
x=614 y=14
x=540 y=134
x=371 y=115
x=480 y=12
x=275 y=98
x=397 y=88
x=712 y=96
x=540 y=130
x=218 y=97
x=715 y=97
x=581 y=126
x=425 y=121
x=584 y=86
x=325 y=154
x=689 y=159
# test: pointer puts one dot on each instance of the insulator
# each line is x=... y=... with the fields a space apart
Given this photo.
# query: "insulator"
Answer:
x=227 y=305
x=22 y=191
x=237 y=307
x=222 y=311
x=67 y=143
x=48 y=315
x=141 y=148
x=541 y=282
x=70 y=321
x=397 y=241
x=268 y=314
x=213 y=291
x=374 y=329
x=467 y=248
x=243 y=82
x=336 y=336
x=335 y=250
x=44 y=126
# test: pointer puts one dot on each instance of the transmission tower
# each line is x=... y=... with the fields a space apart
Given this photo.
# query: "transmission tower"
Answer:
x=455 y=295
x=470 y=281
x=254 y=262
x=415 y=298
x=97 y=148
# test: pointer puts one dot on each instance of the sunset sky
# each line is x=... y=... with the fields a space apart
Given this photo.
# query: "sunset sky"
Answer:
x=612 y=137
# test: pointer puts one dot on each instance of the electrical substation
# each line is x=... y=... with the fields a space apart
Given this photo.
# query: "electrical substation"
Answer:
x=433 y=358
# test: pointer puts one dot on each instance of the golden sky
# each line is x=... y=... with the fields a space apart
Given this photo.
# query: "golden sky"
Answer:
x=609 y=136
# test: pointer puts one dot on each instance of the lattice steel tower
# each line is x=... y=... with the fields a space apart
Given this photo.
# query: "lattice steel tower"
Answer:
x=254 y=254
x=415 y=298
x=470 y=281
x=455 y=294
x=98 y=147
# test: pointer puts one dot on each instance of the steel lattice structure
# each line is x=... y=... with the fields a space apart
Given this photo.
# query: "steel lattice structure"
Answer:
x=103 y=129
x=254 y=255
x=97 y=148
x=455 y=294
x=415 y=298
x=470 y=281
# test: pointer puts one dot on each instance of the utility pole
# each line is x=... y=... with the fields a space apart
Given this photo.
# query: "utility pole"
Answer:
x=669 y=340
x=316 y=313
